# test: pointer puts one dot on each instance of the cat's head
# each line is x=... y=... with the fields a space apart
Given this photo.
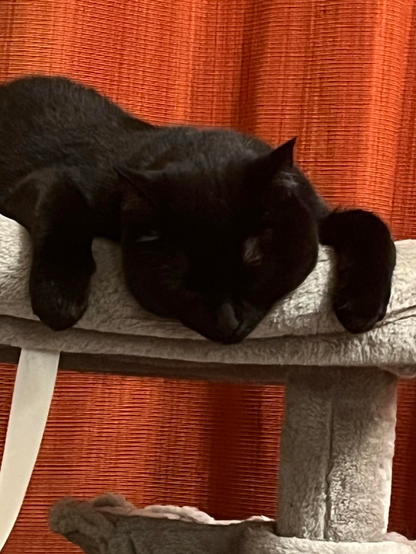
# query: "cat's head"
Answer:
x=216 y=237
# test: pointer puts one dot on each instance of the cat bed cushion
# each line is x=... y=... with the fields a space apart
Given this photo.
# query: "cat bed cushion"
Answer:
x=301 y=330
x=111 y=525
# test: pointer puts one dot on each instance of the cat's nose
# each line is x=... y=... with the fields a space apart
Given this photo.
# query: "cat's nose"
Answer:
x=236 y=320
x=231 y=323
x=227 y=318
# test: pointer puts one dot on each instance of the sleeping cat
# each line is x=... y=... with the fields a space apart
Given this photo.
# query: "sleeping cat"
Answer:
x=215 y=226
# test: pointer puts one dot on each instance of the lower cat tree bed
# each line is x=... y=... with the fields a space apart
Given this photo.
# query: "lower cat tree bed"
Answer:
x=338 y=437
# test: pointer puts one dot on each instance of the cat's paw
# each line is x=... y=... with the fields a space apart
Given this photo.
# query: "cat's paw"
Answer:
x=360 y=311
x=60 y=297
x=57 y=306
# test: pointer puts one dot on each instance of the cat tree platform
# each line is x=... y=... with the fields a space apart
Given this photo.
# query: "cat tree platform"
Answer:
x=339 y=430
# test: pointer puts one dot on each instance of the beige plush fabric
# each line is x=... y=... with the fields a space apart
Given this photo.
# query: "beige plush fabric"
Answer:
x=301 y=330
x=111 y=525
x=266 y=543
x=336 y=453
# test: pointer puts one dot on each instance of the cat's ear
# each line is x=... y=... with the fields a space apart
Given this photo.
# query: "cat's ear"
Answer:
x=265 y=168
x=282 y=157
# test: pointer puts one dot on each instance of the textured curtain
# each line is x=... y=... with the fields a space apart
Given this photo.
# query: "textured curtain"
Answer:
x=341 y=76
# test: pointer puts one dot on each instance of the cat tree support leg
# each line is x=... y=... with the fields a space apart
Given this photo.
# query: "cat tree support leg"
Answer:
x=336 y=454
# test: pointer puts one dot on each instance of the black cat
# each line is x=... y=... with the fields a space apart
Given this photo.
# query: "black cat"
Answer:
x=215 y=226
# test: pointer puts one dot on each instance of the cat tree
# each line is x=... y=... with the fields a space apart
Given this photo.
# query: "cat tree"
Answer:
x=338 y=437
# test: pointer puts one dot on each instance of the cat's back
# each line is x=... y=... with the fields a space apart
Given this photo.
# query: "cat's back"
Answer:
x=43 y=100
x=45 y=121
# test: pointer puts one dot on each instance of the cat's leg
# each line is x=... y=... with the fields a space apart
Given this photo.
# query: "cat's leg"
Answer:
x=366 y=257
x=61 y=231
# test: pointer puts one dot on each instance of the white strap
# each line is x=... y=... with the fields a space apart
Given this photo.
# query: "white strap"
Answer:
x=32 y=397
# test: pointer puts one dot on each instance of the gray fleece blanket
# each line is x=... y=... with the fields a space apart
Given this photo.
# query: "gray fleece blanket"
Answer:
x=301 y=330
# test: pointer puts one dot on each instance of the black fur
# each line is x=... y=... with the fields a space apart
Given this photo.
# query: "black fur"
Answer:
x=215 y=226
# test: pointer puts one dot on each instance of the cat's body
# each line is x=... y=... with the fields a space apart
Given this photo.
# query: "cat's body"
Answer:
x=215 y=226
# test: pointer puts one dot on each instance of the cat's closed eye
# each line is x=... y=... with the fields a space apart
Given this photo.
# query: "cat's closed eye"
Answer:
x=149 y=237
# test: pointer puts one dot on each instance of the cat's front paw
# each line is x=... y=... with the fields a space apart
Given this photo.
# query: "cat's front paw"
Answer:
x=56 y=306
x=359 y=311
x=60 y=297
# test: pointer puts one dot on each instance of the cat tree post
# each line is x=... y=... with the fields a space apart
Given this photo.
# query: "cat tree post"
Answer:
x=336 y=454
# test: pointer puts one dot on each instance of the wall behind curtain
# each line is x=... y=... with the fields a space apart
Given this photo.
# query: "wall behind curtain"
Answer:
x=336 y=74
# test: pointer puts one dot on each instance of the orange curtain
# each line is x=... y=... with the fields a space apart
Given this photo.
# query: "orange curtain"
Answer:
x=341 y=76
